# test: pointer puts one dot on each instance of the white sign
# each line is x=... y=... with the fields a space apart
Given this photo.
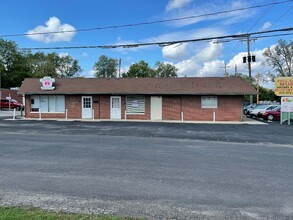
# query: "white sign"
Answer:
x=134 y=103
x=47 y=83
x=287 y=104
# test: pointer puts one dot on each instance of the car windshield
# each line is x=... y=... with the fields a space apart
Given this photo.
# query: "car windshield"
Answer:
x=276 y=108
x=261 y=106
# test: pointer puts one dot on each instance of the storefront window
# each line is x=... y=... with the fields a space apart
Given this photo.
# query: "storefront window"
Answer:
x=209 y=102
x=45 y=103
x=135 y=104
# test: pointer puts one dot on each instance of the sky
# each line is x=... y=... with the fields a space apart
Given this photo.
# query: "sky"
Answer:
x=198 y=59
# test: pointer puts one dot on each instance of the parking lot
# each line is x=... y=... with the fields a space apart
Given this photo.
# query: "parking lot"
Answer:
x=145 y=169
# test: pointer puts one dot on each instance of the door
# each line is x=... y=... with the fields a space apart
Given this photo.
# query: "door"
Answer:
x=156 y=108
x=87 y=111
x=115 y=109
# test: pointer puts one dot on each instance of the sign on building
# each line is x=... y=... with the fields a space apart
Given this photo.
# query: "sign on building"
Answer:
x=47 y=83
x=284 y=86
x=286 y=109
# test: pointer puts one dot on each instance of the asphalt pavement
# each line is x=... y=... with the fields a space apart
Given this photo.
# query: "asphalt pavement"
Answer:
x=151 y=170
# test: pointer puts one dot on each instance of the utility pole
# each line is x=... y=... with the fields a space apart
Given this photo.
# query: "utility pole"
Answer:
x=236 y=71
x=249 y=60
x=225 y=67
x=119 y=67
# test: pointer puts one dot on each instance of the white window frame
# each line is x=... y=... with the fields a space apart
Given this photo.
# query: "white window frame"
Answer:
x=57 y=103
x=209 y=102
x=133 y=100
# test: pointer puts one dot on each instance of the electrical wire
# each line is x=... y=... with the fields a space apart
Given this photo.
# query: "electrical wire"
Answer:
x=146 y=23
x=164 y=43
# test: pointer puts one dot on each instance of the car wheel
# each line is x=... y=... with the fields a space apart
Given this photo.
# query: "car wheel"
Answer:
x=270 y=117
x=245 y=111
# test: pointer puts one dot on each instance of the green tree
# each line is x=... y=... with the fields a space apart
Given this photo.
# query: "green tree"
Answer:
x=13 y=64
x=106 y=67
x=41 y=66
x=164 y=70
x=139 y=70
x=280 y=58
x=54 y=65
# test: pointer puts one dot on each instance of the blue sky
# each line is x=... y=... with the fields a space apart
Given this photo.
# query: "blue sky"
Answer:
x=191 y=59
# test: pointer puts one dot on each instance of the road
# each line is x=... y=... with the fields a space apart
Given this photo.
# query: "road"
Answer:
x=152 y=170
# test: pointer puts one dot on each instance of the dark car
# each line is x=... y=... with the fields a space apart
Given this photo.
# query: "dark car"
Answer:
x=12 y=104
x=271 y=115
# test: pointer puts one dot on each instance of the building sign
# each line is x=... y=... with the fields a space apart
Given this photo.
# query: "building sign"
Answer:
x=135 y=103
x=47 y=83
x=284 y=86
x=287 y=104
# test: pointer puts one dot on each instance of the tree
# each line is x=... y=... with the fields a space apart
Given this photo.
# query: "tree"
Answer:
x=164 y=70
x=54 y=65
x=13 y=64
x=41 y=65
x=139 y=70
x=66 y=66
x=106 y=67
x=281 y=58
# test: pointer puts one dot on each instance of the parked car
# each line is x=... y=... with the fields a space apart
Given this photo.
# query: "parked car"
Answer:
x=13 y=104
x=271 y=115
x=248 y=108
x=261 y=108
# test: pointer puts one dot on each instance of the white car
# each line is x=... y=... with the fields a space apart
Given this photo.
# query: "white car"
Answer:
x=261 y=108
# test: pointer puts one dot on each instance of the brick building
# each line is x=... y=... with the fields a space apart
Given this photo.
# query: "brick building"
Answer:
x=180 y=99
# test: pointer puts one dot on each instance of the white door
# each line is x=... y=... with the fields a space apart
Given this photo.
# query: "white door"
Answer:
x=156 y=108
x=87 y=111
x=115 y=103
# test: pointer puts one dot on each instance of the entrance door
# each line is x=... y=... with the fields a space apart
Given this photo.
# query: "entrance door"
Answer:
x=87 y=111
x=156 y=108
x=115 y=107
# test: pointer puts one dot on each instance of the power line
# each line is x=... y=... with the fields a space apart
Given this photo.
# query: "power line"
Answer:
x=163 y=43
x=262 y=15
x=147 y=23
x=256 y=22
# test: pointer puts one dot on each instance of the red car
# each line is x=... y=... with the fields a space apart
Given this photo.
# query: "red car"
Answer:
x=271 y=115
x=13 y=104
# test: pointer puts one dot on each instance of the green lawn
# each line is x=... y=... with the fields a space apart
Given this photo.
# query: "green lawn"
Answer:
x=8 y=213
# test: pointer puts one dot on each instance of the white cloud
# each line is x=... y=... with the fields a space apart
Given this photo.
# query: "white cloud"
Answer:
x=175 y=52
x=176 y=4
x=212 y=68
x=209 y=8
x=265 y=26
x=52 y=25
x=84 y=54
x=62 y=54
x=210 y=52
x=205 y=62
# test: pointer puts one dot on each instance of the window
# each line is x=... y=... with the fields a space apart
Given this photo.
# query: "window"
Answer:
x=135 y=104
x=87 y=102
x=45 y=103
x=209 y=102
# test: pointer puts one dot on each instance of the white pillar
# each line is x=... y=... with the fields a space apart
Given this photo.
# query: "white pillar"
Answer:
x=14 y=112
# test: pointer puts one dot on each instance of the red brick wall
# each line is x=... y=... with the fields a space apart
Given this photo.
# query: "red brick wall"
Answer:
x=73 y=104
x=229 y=108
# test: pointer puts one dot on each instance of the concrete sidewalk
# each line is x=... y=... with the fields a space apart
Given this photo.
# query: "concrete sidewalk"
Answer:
x=7 y=113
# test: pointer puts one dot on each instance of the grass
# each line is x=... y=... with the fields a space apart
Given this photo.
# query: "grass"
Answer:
x=13 y=213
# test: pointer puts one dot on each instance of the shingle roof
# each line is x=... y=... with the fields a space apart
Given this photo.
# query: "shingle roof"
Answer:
x=143 y=86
